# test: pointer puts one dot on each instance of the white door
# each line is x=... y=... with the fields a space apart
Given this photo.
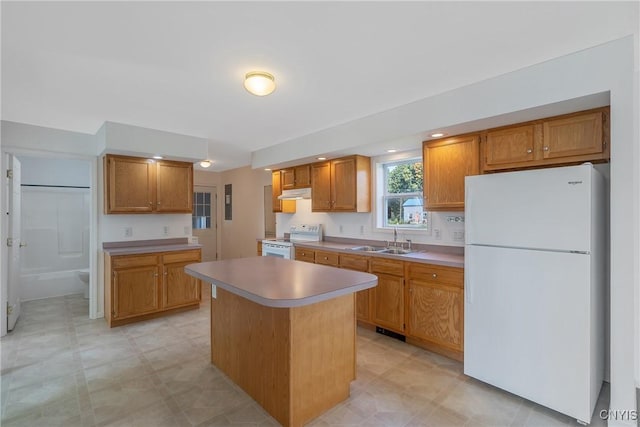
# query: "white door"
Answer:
x=14 y=242
x=204 y=221
x=528 y=326
x=543 y=209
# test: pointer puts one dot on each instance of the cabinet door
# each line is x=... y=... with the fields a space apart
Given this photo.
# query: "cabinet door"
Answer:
x=276 y=190
x=321 y=187
x=135 y=291
x=343 y=185
x=573 y=136
x=446 y=163
x=288 y=177
x=511 y=148
x=363 y=305
x=303 y=176
x=174 y=187
x=129 y=185
x=388 y=306
x=179 y=288
x=435 y=313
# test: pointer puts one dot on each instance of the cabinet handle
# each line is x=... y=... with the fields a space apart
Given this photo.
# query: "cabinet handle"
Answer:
x=545 y=148
x=155 y=275
x=158 y=202
x=151 y=203
x=165 y=273
x=325 y=258
x=434 y=275
x=529 y=151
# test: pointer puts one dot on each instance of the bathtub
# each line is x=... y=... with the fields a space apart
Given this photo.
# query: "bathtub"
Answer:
x=50 y=284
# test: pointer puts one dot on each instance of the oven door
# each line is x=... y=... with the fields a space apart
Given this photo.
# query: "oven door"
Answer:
x=277 y=250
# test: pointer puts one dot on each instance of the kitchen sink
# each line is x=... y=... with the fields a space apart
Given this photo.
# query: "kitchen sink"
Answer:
x=395 y=251
x=369 y=248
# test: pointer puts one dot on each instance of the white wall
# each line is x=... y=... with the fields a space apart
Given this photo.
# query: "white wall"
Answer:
x=239 y=235
x=47 y=171
x=46 y=140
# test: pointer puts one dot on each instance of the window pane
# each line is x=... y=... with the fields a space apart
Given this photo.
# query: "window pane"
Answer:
x=207 y=198
x=404 y=177
x=405 y=211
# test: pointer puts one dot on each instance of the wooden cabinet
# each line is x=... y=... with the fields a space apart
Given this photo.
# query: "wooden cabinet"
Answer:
x=284 y=206
x=296 y=177
x=259 y=251
x=174 y=187
x=139 y=185
x=446 y=163
x=435 y=308
x=341 y=185
x=388 y=297
x=142 y=286
x=562 y=140
x=327 y=258
x=307 y=255
x=363 y=299
x=179 y=288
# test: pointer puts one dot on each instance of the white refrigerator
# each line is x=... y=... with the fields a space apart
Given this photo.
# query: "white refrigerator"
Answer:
x=535 y=272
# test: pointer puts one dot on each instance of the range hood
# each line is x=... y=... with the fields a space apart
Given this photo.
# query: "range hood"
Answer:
x=297 y=194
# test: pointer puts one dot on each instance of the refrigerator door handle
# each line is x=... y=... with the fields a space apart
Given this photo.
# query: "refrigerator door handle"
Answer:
x=467 y=289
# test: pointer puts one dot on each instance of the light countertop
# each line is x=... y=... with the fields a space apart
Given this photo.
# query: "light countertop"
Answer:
x=149 y=246
x=277 y=282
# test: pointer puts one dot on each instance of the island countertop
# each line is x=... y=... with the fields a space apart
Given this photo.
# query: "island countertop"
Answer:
x=277 y=282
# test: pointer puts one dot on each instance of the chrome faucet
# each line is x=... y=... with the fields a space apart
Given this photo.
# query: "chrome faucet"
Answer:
x=395 y=236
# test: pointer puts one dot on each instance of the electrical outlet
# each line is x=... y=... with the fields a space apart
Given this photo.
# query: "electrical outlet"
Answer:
x=362 y=229
x=128 y=231
x=341 y=229
x=437 y=233
x=165 y=230
x=187 y=230
x=458 y=236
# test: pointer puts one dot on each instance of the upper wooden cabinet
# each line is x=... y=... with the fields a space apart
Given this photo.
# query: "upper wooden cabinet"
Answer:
x=561 y=140
x=446 y=163
x=139 y=185
x=341 y=185
x=296 y=177
x=284 y=206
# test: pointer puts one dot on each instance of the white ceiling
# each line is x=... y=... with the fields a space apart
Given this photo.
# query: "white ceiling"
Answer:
x=179 y=67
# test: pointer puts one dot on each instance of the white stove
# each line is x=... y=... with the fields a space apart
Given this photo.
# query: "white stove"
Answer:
x=297 y=233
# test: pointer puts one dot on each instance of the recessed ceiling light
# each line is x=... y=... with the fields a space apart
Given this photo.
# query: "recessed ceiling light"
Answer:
x=322 y=158
x=259 y=83
x=205 y=163
x=267 y=169
x=157 y=157
x=391 y=150
x=437 y=135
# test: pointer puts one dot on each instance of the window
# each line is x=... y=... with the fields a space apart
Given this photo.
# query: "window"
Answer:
x=402 y=202
x=201 y=217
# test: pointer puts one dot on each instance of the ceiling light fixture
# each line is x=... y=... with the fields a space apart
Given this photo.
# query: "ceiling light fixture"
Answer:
x=157 y=157
x=267 y=169
x=437 y=135
x=322 y=158
x=391 y=150
x=205 y=163
x=259 y=83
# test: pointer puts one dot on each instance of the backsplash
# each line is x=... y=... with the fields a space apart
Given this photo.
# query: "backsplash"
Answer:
x=362 y=226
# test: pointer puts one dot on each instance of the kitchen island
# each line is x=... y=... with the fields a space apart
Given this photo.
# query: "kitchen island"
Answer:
x=284 y=331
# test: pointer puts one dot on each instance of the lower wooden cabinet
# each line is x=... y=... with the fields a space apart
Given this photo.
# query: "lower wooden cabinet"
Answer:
x=307 y=255
x=142 y=286
x=435 y=308
x=327 y=258
x=363 y=298
x=388 y=297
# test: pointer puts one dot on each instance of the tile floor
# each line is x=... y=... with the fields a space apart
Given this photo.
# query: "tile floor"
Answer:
x=61 y=369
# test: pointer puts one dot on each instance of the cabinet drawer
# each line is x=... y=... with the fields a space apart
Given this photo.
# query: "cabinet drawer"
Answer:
x=435 y=274
x=123 y=261
x=181 y=256
x=387 y=266
x=307 y=255
x=327 y=258
x=354 y=262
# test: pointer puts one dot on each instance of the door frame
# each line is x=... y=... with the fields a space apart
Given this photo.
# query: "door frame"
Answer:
x=214 y=213
x=94 y=295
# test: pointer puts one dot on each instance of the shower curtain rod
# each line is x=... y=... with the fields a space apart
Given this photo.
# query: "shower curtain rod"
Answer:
x=51 y=186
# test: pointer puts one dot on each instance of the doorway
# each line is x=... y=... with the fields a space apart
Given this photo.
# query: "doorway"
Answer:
x=204 y=221
x=51 y=218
